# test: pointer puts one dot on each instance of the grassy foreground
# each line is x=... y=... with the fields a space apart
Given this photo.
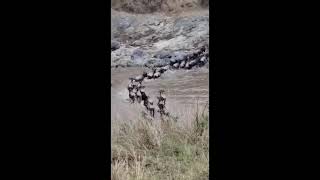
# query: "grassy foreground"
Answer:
x=155 y=150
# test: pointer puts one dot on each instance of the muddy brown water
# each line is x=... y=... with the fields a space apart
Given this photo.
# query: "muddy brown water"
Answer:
x=184 y=90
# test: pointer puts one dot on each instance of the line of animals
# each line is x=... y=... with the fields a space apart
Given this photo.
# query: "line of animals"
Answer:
x=137 y=90
x=199 y=58
x=137 y=94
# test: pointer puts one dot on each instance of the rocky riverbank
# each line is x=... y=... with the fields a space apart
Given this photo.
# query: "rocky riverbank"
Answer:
x=157 y=39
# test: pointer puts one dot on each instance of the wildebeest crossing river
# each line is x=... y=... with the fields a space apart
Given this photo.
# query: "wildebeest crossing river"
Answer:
x=184 y=90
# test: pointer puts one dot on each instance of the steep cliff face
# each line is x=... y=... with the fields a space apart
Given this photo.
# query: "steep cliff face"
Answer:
x=138 y=38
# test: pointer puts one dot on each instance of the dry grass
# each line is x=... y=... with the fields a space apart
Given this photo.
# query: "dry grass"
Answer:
x=155 y=150
x=150 y=6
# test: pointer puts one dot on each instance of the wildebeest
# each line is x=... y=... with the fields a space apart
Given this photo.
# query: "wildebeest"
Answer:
x=132 y=96
x=145 y=101
x=138 y=96
x=151 y=107
x=150 y=74
x=187 y=66
x=162 y=96
x=176 y=65
x=156 y=75
x=140 y=78
x=161 y=103
x=172 y=61
x=144 y=96
x=130 y=85
x=165 y=68
x=182 y=64
x=202 y=60
x=193 y=63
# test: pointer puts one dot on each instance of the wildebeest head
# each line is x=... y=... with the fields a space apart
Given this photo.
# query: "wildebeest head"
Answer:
x=144 y=74
x=131 y=79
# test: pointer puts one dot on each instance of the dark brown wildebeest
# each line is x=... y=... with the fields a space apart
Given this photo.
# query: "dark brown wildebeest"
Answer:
x=151 y=107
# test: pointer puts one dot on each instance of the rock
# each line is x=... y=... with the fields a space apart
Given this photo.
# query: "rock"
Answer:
x=179 y=56
x=172 y=61
x=160 y=63
x=165 y=40
x=163 y=54
x=137 y=52
x=184 y=24
x=137 y=43
x=151 y=63
x=138 y=57
x=115 y=45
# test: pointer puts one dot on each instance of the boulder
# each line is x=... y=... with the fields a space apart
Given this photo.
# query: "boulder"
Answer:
x=179 y=56
x=138 y=57
x=163 y=54
x=115 y=45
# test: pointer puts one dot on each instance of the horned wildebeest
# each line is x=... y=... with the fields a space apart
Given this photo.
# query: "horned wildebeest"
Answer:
x=151 y=107
x=132 y=96
x=138 y=96
x=145 y=101
x=187 y=66
x=162 y=96
x=202 y=60
x=158 y=69
x=192 y=56
x=156 y=75
x=164 y=68
x=193 y=63
x=140 y=78
x=161 y=103
x=176 y=65
x=182 y=64
x=150 y=74
x=138 y=85
x=161 y=107
x=202 y=49
x=130 y=85
x=144 y=96
x=133 y=83
x=173 y=61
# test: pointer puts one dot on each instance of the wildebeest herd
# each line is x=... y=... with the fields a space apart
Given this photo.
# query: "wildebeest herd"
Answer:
x=137 y=90
x=137 y=93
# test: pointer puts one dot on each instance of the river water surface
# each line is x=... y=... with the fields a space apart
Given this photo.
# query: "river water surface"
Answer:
x=185 y=89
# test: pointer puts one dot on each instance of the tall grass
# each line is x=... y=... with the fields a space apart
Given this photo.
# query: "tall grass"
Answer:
x=158 y=150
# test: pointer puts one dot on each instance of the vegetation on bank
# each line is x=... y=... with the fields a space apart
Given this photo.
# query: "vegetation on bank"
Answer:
x=158 y=150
